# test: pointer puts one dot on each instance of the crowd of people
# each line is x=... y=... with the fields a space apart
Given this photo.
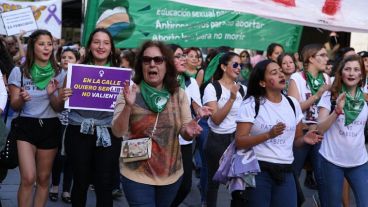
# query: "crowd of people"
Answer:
x=291 y=111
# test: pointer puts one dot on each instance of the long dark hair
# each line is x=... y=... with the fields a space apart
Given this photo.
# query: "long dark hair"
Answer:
x=271 y=48
x=170 y=81
x=224 y=60
x=115 y=62
x=6 y=62
x=30 y=55
x=256 y=76
x=337 y=84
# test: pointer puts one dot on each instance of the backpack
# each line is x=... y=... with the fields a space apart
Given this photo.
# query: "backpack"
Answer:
x=216 y=84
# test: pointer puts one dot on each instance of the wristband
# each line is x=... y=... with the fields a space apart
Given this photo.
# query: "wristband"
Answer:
x=338 y=112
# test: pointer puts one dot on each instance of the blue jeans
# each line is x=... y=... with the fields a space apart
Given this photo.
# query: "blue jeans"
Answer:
x=300 y=156
x=201 y=140
x=268 y=193
x=333 y=177
x=143 y=195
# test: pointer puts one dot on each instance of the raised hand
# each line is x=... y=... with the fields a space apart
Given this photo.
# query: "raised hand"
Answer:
x=192 y=129
x=204 y=111
x=234 y=91
x=24 y=95
x=52 y=87
x=66 y=93
x=322 y=89
x=277 y=130
x=312 y=137
x=130 y=94
x=340 y=101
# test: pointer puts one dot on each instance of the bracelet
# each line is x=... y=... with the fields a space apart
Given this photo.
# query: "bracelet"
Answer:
x=338 y=112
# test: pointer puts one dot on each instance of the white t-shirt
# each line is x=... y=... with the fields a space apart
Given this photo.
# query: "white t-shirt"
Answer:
x=365 y=87
x=3 y=93
x=311 y=114
x=228 y=125
x=192 y=92
x=279 y=149
x=344 y=145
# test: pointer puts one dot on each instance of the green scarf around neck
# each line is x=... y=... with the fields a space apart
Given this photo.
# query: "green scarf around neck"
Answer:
x=41 y=76
x=194 y=75
x=353 y=105
x=245 y=73
x=181 y=80
x=315 y=83
x=156 y=100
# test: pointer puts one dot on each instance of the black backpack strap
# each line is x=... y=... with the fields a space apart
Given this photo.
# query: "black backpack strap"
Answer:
x=216 y=84
x=333 y=104
x=241 y=91
x=186 y=81
x=291 y=104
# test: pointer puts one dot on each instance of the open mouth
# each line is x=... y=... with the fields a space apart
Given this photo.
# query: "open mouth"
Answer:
x=351 y=79
x=152 y=73
x=282 y=81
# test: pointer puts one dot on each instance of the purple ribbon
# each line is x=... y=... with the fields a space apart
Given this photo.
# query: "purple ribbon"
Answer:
x=52 y=9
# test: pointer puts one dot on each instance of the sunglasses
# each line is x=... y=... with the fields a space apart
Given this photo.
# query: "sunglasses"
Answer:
x=158 y=60
x=236 y=65
x=180 y=56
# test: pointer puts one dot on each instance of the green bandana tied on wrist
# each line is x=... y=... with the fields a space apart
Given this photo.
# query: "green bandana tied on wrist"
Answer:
x=353 y=105
x=156 y=100
x=41 y=76
x=181 y=80
x=315 y=83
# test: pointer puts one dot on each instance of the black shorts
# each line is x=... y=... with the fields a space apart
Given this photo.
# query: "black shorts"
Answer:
x=42 y=133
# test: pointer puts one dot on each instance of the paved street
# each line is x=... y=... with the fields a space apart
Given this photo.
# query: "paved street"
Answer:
x=8 y=195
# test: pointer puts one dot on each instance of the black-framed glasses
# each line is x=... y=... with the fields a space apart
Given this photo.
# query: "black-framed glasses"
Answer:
x=236 y=65
x=178 y=56
x=158 y=60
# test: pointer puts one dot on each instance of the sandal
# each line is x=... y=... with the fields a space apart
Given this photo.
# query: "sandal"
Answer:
x=53 y=196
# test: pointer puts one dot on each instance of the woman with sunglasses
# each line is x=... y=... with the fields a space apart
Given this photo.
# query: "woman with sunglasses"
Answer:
x=307 y=87
x=222 y=122
x=154 y=101
x=342 y=117
x=93 y=163
x=36 y=97
x=271 y=129
x=62 y=162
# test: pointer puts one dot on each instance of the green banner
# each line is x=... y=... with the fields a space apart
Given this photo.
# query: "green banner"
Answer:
x=133 y=21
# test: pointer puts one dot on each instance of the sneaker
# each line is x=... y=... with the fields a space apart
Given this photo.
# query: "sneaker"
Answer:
x=117 y=193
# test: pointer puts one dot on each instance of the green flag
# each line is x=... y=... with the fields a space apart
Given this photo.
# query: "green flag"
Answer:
x=133 y=21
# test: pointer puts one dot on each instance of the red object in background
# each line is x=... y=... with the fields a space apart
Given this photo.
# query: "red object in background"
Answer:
x=331 y=7
x=286 y=2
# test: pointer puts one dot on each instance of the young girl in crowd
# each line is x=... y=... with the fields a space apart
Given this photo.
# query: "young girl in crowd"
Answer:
x=93 y=163
x=37 y=128
x=222 y=122
x=156 y=180
x=193 y=65
x=273 y=51
x=287 y=64
x=62 y=162
x=342 y=117
x=271 y=131
x=307 y=87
